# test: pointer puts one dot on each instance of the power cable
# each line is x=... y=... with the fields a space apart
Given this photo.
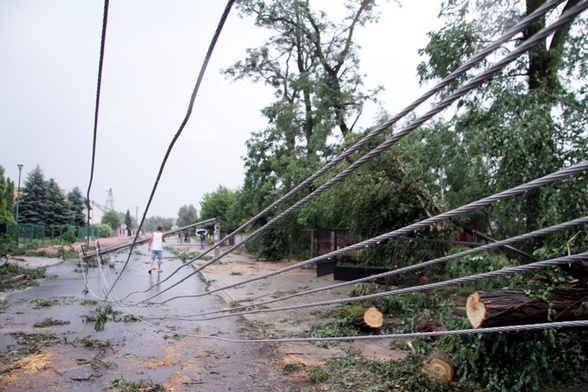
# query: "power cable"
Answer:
x=402 y=335
x=203 y=223
x=508 y=271
x=519 y=27
x=182 y=125
x=415 y=335
x=444 y=259
x=425 y=287
x=473 y=83
x=523 y=24
x=96 y=111
x=581 y=167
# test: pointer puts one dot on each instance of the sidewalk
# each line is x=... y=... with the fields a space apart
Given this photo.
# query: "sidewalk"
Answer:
x=235 y=268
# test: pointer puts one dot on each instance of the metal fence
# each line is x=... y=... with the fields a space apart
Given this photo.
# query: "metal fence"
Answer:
x=26 y=234
x=59 y=233
x=85 y=232
x=306 y=244
x=392 y=253
x=29 y=234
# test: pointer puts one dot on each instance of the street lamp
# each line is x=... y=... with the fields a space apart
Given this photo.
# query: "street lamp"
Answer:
x=18 y=191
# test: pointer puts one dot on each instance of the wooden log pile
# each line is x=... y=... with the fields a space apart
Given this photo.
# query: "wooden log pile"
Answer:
x=505 y=307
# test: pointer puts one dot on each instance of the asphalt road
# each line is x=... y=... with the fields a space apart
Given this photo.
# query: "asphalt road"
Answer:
x=146 y=342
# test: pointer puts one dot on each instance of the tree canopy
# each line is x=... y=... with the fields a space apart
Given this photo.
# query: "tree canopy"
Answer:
x=6 y=199
x=112 y=219
x=220 y=204
x=187 y=215
x=153 y=222
x=56 y=209
x=76 y=206
x=313 y=67
x=128 y=221
x=32 y=196
x=525 y=122
x=43 y=202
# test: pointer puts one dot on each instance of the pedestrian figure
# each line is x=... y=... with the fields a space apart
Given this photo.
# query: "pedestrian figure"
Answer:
x=202 y=238
x=187 y=236
x=156 y=247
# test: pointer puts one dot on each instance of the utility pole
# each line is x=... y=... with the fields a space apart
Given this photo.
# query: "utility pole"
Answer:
x=20 y=165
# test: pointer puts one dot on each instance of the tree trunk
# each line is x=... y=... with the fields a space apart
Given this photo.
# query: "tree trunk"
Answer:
x=489 y=308
x=373 y=318
x=370 y=318
x=439 y=366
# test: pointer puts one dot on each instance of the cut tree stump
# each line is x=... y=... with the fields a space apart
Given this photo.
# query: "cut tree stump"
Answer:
x=438 y=365
x=499 y=307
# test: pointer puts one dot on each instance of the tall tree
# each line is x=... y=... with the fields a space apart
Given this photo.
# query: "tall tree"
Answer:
x=76 y=207
x=128 y=221
x=187 y=215
x=219 y=205
x=529 y=119
x=6 y=199
x=55 y=206
x=32 y=203
x=312 y=65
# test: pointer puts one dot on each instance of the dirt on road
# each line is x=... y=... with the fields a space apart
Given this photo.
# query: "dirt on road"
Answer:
x=49 y=341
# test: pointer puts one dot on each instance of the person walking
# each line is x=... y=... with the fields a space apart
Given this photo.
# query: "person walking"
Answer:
x=202 y=238
x=156 y=247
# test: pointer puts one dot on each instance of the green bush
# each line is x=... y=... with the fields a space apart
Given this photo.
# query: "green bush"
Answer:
x=519 y=361
x=8 y=246
x=69 y=237
x=105 y=230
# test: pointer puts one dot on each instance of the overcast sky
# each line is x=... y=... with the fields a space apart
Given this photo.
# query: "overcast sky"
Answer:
x=49 y=52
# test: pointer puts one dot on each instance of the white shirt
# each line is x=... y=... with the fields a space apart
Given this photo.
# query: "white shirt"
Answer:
x=157 y=241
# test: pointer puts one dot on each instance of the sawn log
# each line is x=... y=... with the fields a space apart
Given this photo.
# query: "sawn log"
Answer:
x=370 y=318
x=438 y=365
x=499 y=307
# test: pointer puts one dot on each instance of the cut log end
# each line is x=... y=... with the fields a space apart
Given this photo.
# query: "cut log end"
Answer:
x=370 y=318
x=476 y=310
x=439 y=366
x=373 y=318
x=498 y=307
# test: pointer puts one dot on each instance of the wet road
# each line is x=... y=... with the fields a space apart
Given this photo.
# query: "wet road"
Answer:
x=148 y=341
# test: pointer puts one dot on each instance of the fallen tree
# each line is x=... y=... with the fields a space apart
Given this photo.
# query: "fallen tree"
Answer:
x=499 y=307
